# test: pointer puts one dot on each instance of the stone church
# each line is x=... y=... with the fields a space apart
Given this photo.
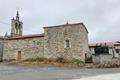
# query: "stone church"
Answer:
x=67 y=41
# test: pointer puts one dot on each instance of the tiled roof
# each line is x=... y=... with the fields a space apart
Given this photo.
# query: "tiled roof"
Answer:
x=104 y=44
x=26 y=36
x=67 y=24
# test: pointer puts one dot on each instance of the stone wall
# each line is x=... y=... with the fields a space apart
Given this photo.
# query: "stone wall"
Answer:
x=52 y=45
x=101 y=59
x=30 y=47
x=55 y=41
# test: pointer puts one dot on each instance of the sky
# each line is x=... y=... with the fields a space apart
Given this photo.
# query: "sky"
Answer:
x=101 y=17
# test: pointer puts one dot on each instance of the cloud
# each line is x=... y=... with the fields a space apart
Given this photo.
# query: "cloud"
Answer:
x=101 y=17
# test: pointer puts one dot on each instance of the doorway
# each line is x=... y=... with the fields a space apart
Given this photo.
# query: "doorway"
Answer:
x=18 y=55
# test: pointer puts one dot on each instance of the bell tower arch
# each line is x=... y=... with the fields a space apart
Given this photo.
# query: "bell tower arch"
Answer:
x=16 y=26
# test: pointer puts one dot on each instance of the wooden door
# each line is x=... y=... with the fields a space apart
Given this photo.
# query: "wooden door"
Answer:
x=19 y=56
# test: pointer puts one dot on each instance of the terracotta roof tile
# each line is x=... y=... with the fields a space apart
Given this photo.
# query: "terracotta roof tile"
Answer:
x=67 y=24
x=105 y=44
x=26 y=36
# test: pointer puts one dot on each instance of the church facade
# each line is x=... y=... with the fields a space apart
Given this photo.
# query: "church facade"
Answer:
x=67 y=41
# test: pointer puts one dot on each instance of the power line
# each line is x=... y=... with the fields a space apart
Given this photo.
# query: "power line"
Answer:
x=4 y=23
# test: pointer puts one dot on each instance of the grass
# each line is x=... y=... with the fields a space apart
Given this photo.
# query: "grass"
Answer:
x=36 y=59
x=77 y=61
x=58 y=60
x=61 y=60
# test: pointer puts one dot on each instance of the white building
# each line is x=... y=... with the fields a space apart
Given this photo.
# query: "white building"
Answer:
x=105 y=52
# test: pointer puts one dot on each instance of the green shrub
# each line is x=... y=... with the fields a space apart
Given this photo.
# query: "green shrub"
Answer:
x=77 y=61
x=36 y=59
x=58 y=60
x=61 y=60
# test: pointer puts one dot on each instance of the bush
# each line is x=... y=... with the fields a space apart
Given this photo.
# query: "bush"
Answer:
x=58 y=60
x=36 y=59
x=61 y=60
x=77 y=61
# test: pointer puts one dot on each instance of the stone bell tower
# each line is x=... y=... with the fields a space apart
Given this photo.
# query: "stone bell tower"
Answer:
x=16 y=26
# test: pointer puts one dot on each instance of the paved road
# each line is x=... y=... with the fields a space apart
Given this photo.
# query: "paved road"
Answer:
x=13 y=72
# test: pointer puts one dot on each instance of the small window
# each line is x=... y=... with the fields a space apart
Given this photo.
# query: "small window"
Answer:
x=19 y=51
x=67 y=43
